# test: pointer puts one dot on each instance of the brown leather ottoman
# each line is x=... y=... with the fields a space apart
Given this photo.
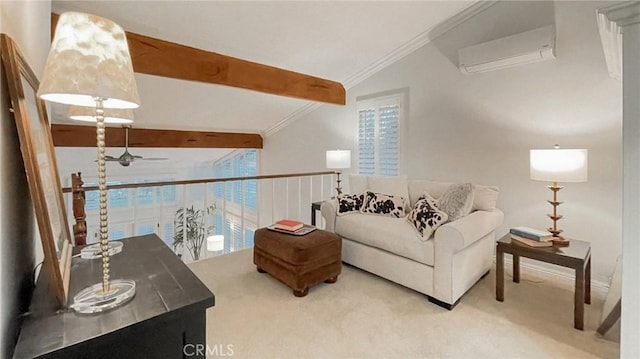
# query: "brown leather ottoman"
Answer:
x=298 y=261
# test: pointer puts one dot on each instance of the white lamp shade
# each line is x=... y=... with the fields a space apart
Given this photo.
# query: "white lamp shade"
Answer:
x=89 y=59
x=559 y=165
x=338 y=159
x=215 y=243
x=111 y=115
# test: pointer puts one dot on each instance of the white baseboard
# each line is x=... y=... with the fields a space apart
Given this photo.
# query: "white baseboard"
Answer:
x=598 y=288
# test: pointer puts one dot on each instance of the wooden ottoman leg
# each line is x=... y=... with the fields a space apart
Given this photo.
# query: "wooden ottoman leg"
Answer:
x=332 y=279
x=260 y=270
x=301 y=293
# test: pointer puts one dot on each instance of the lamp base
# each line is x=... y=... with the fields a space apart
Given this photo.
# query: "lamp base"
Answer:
x=94 y=251
x=560 y=241
x=93 y=300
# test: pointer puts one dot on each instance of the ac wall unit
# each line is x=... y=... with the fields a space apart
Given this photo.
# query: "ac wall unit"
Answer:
x=519 y=49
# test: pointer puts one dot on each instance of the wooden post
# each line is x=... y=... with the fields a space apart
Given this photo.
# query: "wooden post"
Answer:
x=80 y=227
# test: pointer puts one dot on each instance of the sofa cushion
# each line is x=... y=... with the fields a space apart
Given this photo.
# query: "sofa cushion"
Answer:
x=358 y=184
x=349 y=203
x=457 y=201
x=393 y=185
x=384 y=204
x=394 y=235
x=484 y=197
x=419 y=187
x=426 y=217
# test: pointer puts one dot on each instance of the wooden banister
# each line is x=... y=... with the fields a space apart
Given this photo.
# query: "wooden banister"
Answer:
x=197 y=181
x=79 y=199
x=80 y=227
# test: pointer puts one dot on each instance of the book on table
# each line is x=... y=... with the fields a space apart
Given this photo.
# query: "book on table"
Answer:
x=531 y=242
x=531 y=233
x=288 y=225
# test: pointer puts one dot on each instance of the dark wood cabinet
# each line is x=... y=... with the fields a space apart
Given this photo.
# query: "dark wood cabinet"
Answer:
x=167 y=313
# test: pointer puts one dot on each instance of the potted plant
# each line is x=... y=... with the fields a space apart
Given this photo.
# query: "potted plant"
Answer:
x=190 y=230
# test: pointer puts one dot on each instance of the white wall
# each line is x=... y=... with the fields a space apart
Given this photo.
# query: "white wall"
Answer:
x=27 y=22
x=480 y=127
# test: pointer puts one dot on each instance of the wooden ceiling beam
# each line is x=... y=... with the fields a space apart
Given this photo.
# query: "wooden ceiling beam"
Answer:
x=168 y=59
x=85 y=136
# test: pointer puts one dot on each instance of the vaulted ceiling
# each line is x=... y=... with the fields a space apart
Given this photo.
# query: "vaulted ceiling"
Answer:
x=338 y=41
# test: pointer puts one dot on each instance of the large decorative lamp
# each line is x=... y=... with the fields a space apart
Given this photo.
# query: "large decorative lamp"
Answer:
x=113 y=116
x=558 y=165
x=338 y=160
x=89 y=65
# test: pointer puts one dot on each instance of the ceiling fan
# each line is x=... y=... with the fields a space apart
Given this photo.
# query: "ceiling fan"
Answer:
x=127 y=158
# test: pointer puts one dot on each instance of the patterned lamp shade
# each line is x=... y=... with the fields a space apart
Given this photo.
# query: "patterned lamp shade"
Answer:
x=89 y=59
x=111 y=115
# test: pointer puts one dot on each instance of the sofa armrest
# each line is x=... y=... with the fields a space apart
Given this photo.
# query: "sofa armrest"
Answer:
x=459 y=234
x=329 y=210
x=462 y=253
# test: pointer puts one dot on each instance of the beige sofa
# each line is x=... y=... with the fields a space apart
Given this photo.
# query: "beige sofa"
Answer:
x=443 y=266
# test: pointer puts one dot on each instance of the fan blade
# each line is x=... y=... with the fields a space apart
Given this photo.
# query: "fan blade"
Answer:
x=155 y=159
x=109 y=159
x=136 y=156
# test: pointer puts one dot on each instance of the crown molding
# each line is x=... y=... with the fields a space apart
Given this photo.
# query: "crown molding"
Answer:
x=622 y=14
x=400 y=52
x=611 y=21
x=418 y=42
x=292 y=117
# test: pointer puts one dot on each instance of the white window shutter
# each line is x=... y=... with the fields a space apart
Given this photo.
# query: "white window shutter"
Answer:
x=379 y=139
x=366 y=142
x=388 y=145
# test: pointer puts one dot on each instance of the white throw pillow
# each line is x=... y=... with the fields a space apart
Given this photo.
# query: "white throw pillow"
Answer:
x=457 y=200
x=485 y=197
x=426 y=217
x=394 y=185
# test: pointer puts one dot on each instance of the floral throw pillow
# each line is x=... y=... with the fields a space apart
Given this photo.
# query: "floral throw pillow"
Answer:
x=384 y=204
x=426 y=217
x=349 y=203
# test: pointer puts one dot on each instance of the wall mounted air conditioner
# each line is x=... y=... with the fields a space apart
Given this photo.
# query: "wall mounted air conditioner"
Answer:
x=519 y=49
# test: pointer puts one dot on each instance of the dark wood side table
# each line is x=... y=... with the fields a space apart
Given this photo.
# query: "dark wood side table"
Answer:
x=165 y=319
x=315 y=206
x=576 y=256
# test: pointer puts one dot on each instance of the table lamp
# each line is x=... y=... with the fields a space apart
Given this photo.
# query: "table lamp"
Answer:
x=338 y=160
x=215 y=243
x=558 y=165
x=111 y=115
x=89 y=65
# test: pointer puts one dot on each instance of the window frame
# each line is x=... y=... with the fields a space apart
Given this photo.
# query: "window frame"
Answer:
x=377 y=101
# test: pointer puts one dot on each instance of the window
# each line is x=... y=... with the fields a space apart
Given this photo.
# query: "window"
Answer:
x=236 y=216
x=118 y=198
x=379 y=122
x=134 y=212
x=241 y=164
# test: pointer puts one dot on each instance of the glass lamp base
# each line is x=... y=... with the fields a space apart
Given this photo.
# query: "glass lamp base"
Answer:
x=94 y=300
x=94 y=251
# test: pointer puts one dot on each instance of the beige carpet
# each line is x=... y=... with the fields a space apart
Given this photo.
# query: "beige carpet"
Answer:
x=366 y=316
